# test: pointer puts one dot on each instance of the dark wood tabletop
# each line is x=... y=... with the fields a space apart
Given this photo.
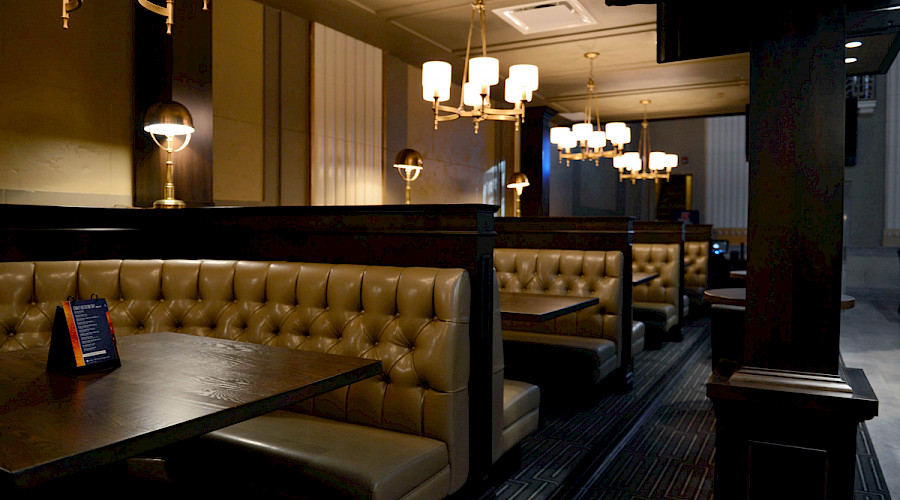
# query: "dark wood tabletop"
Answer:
x=170 y=387
x=738 y=297
x=641 y=278
x=541 y=307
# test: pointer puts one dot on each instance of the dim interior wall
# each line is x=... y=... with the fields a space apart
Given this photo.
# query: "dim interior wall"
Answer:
x=237 y=54
x=66 y=114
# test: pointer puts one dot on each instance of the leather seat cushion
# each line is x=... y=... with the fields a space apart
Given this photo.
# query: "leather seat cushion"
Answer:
x=519 y=399
x=637 y=337
x=657 y=314
x=355 y=460
x=521 y=411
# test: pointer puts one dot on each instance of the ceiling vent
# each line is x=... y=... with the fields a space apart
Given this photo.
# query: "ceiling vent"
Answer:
x=546 y=16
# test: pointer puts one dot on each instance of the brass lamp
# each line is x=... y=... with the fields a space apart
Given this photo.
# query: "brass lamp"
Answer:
x=518 y=181
x=409 y=164
x=169 y=118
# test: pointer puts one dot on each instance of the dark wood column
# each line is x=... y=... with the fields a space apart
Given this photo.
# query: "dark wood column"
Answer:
x=174 y=67
x=787 y=419
x=535 y=164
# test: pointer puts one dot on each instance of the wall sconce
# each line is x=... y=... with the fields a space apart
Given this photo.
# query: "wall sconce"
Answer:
x=518 y=181
x=169 y=119
x=409 y=164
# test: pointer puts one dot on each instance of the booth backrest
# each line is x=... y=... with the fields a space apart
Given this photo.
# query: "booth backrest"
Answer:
x=662 y=258
x=568 y=272
x=696 y=265
x=415 y=320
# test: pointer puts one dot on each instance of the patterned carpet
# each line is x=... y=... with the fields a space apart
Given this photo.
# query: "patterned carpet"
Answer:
x=655 y=442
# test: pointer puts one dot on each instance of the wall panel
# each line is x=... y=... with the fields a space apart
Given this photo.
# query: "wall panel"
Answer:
x=727 y=172
x=347 y=99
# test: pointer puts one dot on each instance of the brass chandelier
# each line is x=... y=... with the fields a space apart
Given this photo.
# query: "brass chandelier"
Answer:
x=590 y=142
x=167 y=11
x=659 y=164
x=479 y=74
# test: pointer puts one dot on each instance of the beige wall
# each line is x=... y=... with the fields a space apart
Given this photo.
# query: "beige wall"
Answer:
x=237 y=47
x=65 y=117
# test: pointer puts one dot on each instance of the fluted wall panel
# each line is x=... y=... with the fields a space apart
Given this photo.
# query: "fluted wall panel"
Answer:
x=892 y=160
x=346 y=165
x=727 y=172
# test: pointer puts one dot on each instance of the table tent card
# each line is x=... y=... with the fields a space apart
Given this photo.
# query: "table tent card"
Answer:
x=83 y=340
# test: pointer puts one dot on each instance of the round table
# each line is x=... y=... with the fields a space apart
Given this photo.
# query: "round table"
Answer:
x=738 y=297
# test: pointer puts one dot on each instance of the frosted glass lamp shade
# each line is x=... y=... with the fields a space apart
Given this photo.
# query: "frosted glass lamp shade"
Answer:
x=436 y=76
x=558 y=135
x=582 y=131
x=671 y=161
x=472 y=94
x=516 y=92
x=657 y=160
x=618 y=133
x=527 y=74
x=484 y=71
x=597 y=140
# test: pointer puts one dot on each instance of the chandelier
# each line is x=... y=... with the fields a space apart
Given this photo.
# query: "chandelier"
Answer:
x=167 y=11
x=591 y=143
x=659 y=164
x=479 y=74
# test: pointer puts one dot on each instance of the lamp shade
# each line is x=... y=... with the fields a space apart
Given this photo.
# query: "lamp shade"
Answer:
x=618 y=133
x=518 y=181
x=485 y=71
x=526 y=74
x=409 y=163
x=582 y=130
x=168 y=118
x=436 y=76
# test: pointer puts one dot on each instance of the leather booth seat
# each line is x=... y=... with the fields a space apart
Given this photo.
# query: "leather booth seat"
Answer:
x=587 y=342
x=657 y=303
x=696 y=272
x=403 y=434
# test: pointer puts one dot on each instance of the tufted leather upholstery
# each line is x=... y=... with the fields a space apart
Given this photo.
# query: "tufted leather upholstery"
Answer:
x=597 y=330
x=415 y=320
x=696 y=270
x=656 y=303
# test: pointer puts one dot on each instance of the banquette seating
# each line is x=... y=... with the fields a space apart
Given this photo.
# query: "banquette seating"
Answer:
x=696 y=272
x=404 y=434
x=658 y=303
x=697 y=264
x=589 y=342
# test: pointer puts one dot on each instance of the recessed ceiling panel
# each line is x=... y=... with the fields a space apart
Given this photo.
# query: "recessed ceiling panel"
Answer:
x=540 y=17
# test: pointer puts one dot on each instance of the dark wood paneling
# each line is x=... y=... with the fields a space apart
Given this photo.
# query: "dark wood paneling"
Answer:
x=535 y=200
x=174 y=67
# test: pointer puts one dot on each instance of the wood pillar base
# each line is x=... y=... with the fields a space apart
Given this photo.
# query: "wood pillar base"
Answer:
x=783 y=435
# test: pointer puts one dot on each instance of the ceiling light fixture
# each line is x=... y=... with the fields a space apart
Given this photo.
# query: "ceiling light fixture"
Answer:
x=659 y=164
x=168 y=11
x=591 y=143
x=479 y=74
x=854 y=44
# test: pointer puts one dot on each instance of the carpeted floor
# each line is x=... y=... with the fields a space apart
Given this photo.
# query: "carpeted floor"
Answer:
x=655 y=442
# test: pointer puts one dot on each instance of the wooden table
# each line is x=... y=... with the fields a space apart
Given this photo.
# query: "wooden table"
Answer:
x=738 y=297
x=170 y=387
x=738 y=274
x=541 y=307
x=641 y=278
